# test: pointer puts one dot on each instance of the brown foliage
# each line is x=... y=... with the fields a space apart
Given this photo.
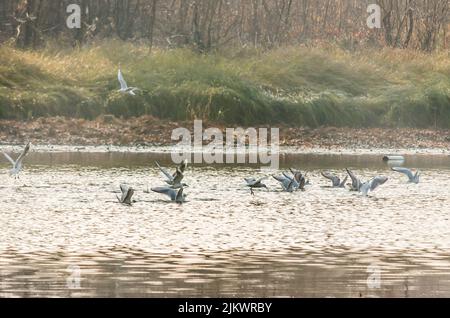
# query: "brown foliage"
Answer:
x=211 y=24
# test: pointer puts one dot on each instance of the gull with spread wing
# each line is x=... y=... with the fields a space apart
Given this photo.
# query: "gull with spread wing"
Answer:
x=253 y=183
x=127 y=194
x=299 y=178
x=123 y=85
x=371 y=185
x=335 y=180
x=288 y=183
x=412 y=177
x=356 y=182
x=174 y=180
x=17 y=164
x=175 y=195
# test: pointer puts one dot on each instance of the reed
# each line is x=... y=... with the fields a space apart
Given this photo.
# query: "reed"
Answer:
x=298 y=86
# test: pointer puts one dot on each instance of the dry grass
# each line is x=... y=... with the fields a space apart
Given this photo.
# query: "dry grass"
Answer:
x=294 y=85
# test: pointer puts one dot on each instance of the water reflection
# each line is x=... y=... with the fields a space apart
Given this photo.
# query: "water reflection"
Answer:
x=121 y=272
x=223 y=242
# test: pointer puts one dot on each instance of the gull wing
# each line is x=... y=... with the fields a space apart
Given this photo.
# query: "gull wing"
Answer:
x=291 y=186
x=183 y=166
x=285 y=174
x=123 y=84
x=302 y=183
x=298 y=176
x=342 y=184
x=336 y=181
x=253 y=181
x=296 y=173
x=281 y=178
x=128 y=196
x=373 y=184
x=405 y=171
x=262 y=179
x=9 y=158
x=377 y=181
x=179 y=198
x=365 y=188
x=171 y=193
x=124 y=188
x=165 y=172
x=250 y=181
x=356 y=183
x=352 y=176
x=178 y=177
x=285 y=182
x=24 y=153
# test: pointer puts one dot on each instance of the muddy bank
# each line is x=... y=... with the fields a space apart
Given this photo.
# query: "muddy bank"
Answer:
x=148 y=131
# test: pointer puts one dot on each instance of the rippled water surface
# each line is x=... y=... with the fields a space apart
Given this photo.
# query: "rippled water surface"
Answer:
x=62 y=214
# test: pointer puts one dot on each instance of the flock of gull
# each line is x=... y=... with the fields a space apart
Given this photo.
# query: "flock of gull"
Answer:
x=294 y=180
x=290 y=181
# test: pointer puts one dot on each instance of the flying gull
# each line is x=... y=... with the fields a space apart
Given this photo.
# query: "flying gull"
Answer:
x=288 y=183
x=127 y=194
x=174 y=180
x=299 y=178
x=253 y=183
x=17 y=165
x=356 y=182
x=175 y=195
x=123 y=85
x=336 y=181
x=413 y=177
x=372 y=185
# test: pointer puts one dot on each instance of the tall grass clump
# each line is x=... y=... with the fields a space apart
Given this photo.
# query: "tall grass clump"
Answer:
x=296 y=86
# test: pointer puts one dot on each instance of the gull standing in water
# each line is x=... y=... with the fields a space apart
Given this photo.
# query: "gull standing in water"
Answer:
x=372 y=185
x=174 y=180
x=17 y=165
x=123 y=85
x=174 y=195
x=253 y=183
x=413 y=177
x=336 y=181
x=127 y=194
x=356 y=182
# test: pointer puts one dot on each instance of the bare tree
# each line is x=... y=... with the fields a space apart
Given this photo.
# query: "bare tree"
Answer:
x=209 y=24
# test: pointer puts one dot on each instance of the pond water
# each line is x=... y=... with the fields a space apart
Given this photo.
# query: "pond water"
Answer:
x=63 y=233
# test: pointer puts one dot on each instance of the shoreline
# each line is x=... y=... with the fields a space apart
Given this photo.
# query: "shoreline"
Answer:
x=162 y=150
x=144 y=134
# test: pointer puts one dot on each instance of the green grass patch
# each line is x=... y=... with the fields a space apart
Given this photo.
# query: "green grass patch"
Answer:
x=295 y=86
